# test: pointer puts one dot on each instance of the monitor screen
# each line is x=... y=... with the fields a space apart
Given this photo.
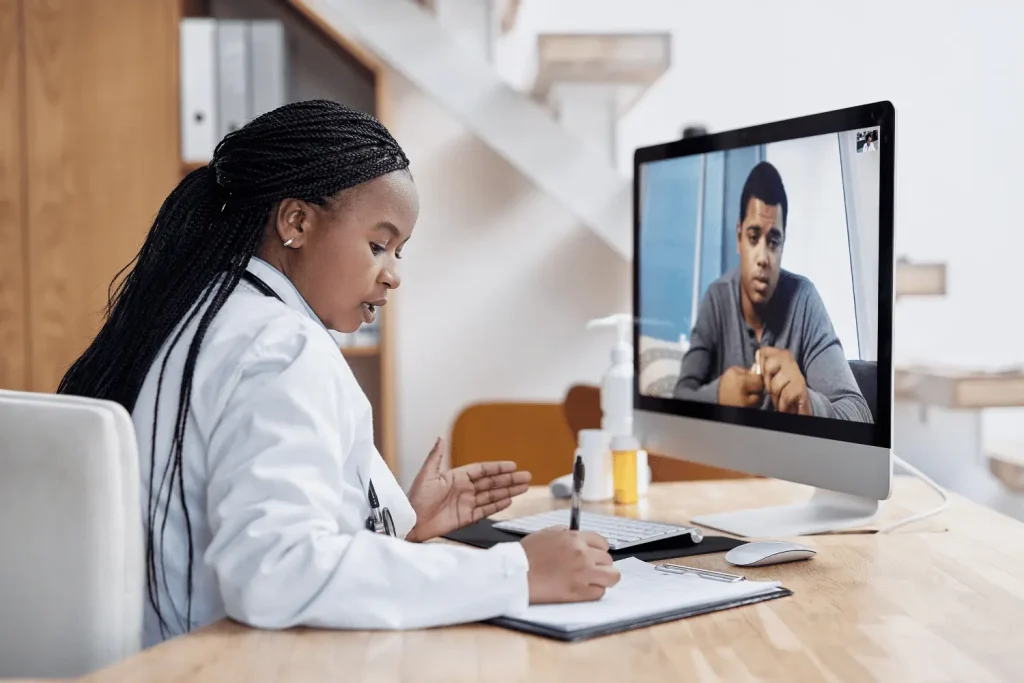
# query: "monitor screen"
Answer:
x=763 y=284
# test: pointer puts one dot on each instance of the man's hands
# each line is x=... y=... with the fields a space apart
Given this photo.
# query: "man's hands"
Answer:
x=783 y=381
x=779 y=377
x=446 y=500
x=740 y=387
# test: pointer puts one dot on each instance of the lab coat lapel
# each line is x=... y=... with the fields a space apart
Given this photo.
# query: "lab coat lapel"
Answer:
x=368 y=462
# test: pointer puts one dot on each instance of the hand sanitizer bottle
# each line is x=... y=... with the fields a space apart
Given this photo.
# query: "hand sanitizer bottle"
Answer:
x=617 y=383
x=617 y=389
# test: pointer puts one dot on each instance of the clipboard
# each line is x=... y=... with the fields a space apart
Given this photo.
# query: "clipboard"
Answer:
x=644 y=597
x=587 y=633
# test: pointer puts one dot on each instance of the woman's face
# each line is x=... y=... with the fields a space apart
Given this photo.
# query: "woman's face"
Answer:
x=343 y=257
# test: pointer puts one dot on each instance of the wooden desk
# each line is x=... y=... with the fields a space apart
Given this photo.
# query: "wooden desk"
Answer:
x=939 y=601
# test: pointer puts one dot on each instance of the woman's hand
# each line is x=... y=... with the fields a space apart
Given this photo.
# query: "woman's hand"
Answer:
x=450 y=499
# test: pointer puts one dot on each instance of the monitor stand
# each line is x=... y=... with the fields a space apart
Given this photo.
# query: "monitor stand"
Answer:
x=825 y=511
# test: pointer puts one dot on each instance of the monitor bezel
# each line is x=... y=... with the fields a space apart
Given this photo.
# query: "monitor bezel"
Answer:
x=881 y=114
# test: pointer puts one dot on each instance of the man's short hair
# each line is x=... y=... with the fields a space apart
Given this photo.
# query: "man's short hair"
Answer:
x=765 y=183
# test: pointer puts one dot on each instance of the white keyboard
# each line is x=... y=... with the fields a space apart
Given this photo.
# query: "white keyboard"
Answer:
x=620 y=532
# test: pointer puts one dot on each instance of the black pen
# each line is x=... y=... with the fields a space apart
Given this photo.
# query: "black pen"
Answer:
x=577 y=486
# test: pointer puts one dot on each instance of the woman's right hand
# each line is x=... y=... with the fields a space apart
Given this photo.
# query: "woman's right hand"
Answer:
x=568 y=566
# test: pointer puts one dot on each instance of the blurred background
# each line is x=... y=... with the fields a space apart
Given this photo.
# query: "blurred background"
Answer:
x=520 y=118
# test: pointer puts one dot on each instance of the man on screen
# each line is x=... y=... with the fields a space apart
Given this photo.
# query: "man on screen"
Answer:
x=762 y=338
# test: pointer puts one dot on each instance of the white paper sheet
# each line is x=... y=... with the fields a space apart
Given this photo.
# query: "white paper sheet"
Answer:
x=643 y=591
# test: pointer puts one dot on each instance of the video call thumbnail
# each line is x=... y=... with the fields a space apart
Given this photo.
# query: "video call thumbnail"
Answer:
x=867 y=141
x=758 y=277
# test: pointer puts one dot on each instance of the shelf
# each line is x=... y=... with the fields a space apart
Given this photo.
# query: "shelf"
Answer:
x=633 y=61
x=360 y=351
x=962 y=388
x=920 y=279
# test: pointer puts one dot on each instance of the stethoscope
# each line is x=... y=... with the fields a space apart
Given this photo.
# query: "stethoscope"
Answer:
x=379 y=520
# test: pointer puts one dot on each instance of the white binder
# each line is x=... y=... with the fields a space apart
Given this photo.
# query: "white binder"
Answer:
x=232 y=75
x=197 y=64
x=267 y=66
x=231 y=72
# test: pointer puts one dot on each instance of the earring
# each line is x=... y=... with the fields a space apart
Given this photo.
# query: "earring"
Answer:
x=290 y=240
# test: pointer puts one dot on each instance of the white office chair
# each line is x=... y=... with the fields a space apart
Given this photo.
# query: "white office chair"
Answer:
x=72 y=577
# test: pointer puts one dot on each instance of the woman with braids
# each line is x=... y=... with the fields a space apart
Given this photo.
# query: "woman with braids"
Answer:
x=264 y=498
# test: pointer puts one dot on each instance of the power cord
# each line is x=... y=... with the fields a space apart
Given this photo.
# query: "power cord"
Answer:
x=926 y=479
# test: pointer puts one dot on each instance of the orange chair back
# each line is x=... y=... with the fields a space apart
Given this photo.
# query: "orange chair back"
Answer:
x=533 y=435
x=583 y=411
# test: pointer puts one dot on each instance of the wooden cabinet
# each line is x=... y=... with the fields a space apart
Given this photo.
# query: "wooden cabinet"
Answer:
x=13 y=273
x=88 y=151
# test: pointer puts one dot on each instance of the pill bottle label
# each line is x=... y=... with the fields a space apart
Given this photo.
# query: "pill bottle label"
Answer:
x=624 y=475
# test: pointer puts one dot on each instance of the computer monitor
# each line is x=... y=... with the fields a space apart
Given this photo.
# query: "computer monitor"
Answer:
x=763 y=304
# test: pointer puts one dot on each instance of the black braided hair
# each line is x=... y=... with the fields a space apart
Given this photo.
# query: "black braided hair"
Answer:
x=196 y=251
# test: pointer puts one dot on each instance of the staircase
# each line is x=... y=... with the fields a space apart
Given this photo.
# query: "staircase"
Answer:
x=575 y=169
x=590 y=81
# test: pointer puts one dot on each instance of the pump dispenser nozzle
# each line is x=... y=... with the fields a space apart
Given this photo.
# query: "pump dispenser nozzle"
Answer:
x=623 y=321
x=622 y=352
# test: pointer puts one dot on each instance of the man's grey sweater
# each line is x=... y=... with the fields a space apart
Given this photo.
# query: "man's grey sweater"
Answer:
x=796 y=320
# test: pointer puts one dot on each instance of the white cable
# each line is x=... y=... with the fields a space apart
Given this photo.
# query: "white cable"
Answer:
x=926 y=479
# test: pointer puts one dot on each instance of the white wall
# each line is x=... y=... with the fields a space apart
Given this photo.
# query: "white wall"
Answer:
x=817 y=245
x=498 y=282
x=472 y=22
x=947 y=67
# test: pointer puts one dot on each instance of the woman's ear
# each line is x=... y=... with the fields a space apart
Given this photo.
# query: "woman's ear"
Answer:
x=292 y=222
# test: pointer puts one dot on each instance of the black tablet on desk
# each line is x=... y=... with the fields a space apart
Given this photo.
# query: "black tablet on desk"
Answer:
x=482 y=534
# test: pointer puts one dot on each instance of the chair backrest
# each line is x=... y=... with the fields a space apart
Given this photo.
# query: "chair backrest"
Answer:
x=583 y=411
x=866 y=374
x=72 y=579
x=532 y=435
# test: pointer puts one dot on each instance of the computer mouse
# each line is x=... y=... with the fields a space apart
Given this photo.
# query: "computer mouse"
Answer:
x=561 y=487
x=761 y=553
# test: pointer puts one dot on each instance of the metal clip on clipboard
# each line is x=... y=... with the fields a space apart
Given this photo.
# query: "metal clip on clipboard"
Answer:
x=703 y=573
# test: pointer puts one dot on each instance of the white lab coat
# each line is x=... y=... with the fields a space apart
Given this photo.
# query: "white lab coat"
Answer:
x=278 y=455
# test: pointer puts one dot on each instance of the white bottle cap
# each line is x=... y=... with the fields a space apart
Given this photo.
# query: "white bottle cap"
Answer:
x=625 y=442
x=593 y=439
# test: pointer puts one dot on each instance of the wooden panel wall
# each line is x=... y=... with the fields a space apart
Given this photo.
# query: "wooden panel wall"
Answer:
x=103 y=153
x=13 y=285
